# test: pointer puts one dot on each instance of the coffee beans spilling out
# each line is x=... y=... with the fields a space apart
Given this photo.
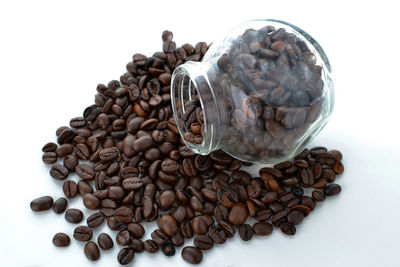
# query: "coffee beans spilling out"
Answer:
x=270 y=84
x=134 y=168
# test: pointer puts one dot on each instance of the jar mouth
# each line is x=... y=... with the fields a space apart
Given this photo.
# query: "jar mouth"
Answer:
x=189 y=83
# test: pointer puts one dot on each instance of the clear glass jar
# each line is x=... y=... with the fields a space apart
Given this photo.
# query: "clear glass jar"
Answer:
x=261 y=94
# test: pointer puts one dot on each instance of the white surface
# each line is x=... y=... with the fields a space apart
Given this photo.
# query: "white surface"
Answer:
x=53 y=54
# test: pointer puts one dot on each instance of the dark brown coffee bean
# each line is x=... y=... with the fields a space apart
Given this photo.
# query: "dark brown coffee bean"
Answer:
x=150 y=246
x=238 y=214
x=91 y=202
x=60 y=205
x=262 y=228
x=61 y=240
x=192 y=255
x=83 y=233
x=168 y=249
x=318 y=195
x=70 y=162
x=136 y=230
x=70 y=189
x=123 y=238
x=288 y=228
x=246 y=232
x=338 y=167
x=64 y=150
x=41 y=203
x=332 y=189
x=65 y=136
x=49 y=157
x=136 y=245
x=295 y=217
x=85 y=171
x=160 y=237
x=73 y=215
x=95 y=220
x=132 y=183
x=59 y=172
x=125 y=256
x=124 y=215
x=217 y=234
x=203 y=242
x=49 y=147
x=105 y=241
x=84 y=188
x=168 y=225
x=92 y=251
x=199 y=226
x=227 y=196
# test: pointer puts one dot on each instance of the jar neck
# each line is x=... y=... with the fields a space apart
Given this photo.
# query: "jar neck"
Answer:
x=191 y=81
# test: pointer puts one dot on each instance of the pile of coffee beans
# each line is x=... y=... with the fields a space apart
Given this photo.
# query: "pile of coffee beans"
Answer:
x=134 y=168
x=272 y=91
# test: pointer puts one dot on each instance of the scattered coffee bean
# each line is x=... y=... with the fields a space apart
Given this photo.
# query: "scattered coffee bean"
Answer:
x=61 y=240
x=42 y=203
x=262 y=228
x=105 y=241
x=125 y=256
x=332 y=189
x=60 y=205
x=246 y=232
x=73 y=216
x=83 y=233
x=168 y=249
x=92 y=251
x=192 y=255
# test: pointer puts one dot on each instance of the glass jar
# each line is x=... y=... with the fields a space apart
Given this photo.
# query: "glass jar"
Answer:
x=261 y=94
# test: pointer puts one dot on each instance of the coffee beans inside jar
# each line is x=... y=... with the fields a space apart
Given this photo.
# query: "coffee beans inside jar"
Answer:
x=261 y=94
x=134 y=168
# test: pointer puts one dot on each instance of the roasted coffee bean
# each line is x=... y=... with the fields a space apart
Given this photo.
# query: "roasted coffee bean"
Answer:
x=49 y=147
x=84 y=188
x=238 y=214
x=123 y=238
x=159 y=236
x=168 y=225
x=136 y=230
x=287 y=228
x=70 y=189
x=125 y=256
x=295 y=217
x=59 y=172
x=60 y=205
x=92 y=251
x=73 y=215
x=91 y=202
x=41 y=203
x=150 y=246
x=95 y=220
x=64 y=150
x=217 y=234
x=192 y=255
x=246 y=232
x=61 y=240
x=124 y=215
x=297 y=191
x=83 y=233
x=203 y=242
x=318 y=195
x=70 y=162
x=332 y=189
x=199 y=225
x=49 y=157
x=136 y=245
x=227 y=196
x=105 y=241
x=262 y=228
x=85 y=171
x=168 y=249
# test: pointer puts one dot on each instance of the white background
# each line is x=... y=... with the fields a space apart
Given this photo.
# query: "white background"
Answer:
x=53 y=54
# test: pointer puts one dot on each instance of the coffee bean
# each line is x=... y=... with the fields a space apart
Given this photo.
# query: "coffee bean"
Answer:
x=60 y=205
x=41 y=203
x=73 y=216
x=262 y=228
x=192 y=255
x=136 y=245
x=217 y=234
x=90 y=201
x=295 y=217
x=105 y=241
x=136 y=230
x=84 y=188
x=49 y=157
x=124 y=215
x=61 y=240
x=203 y=242
x=168 y=225
x=246 y=232
x=125 y=256
x=59 y=172
x=95 y=220
x=83 y=233
x=332 y=189
x=297 y=191
x=238 y=214
x=64 y=150
x=85 y=171
x=168 y=249
x=159 y=236
x=123 y=238
x=92 y=251
x=288 y=228
x=318 y=195
x=49 y=147
x=150 y=246
x=227 y=196
x=70 y=189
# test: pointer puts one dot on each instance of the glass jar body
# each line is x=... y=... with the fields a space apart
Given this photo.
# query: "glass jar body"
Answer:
x=261 y=94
